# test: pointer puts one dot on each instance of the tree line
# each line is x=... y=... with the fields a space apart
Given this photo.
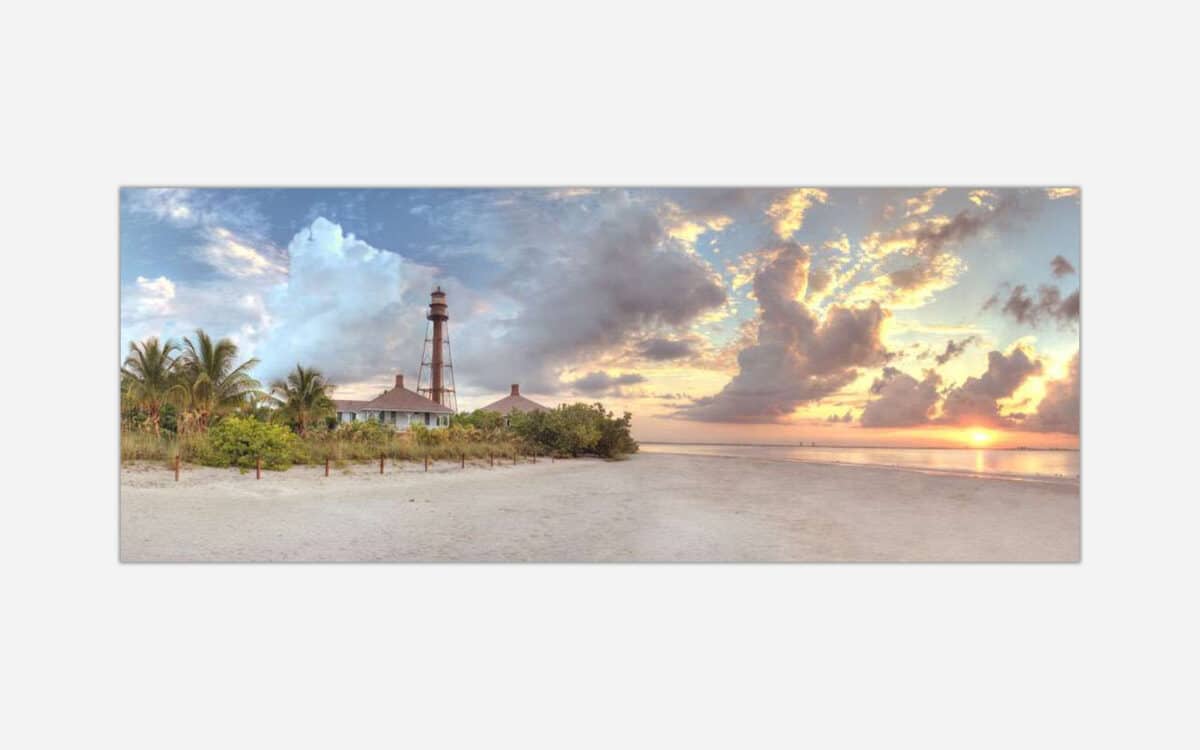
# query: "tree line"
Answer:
x=198 y=382
x=187 y=389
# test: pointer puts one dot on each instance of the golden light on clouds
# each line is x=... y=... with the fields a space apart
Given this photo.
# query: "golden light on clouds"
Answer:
x=688 y=231
x=923 y=203
x=788 y=212
x=687 y=228
x=983 y=198
x=1061 y=192
x=841 y=244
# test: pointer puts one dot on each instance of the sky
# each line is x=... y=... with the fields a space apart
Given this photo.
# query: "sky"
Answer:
x=849 y=316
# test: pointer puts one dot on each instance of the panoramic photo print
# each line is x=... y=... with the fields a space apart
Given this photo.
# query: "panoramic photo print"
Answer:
x=600 y=374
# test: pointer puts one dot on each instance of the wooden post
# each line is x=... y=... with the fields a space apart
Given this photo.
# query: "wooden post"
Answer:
x=426 y=462
x=380 y=463
x=535 y=456
x=258 y=468
x=464 y=461
x=327 y=466
x=176 y=467
x=491 y=459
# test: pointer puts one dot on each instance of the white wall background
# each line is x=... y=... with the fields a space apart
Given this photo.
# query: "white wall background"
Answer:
x=98 y=654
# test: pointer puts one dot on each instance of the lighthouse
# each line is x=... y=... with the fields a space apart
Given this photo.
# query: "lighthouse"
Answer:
x=435 y=355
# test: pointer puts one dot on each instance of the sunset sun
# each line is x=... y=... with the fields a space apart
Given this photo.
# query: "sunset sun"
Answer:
x=981 y=437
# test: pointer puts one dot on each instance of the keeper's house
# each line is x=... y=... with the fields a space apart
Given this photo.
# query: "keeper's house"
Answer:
x=514 y=401
x=398 y=407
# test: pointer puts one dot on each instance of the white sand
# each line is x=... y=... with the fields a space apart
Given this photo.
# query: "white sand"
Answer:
x=653 y=507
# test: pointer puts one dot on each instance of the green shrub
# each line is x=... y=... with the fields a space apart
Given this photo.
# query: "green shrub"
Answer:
x=241 y=441
x=615 y=438
x=486 y=422
x=576 y=429
x=369 y=432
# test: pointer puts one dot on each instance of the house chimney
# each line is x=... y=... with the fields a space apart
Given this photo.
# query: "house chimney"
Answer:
x=399 y=381
x=516 y=390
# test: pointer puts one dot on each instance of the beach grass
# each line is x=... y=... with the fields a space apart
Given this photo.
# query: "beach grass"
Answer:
x=315 y=450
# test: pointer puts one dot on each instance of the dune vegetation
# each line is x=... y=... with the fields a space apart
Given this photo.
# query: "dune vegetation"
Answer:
x=198 y=403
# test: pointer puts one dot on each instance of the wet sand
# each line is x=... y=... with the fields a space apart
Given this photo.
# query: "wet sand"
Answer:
x=650 y=508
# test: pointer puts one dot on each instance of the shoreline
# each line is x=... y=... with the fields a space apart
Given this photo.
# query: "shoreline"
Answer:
x=1005 y=476
x=653 y=507
x=868 y=446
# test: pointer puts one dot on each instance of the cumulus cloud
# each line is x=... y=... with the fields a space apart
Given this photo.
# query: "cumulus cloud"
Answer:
x=795 y=357
x=348 y=308
x=974 y=403
x=152 y=296
x=599 y=382
x=902 y=400
x=169 y=308
x=1060 y=266
x=842 y=419
x=1059 y=408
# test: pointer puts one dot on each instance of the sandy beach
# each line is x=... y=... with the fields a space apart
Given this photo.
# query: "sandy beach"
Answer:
x=650 y=508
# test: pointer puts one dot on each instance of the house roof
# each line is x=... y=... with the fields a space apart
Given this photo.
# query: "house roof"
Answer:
x=348 y=404
x=518 y=402
x=402 y=399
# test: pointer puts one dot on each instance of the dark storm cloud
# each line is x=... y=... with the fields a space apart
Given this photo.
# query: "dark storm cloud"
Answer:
x=601 y=382
x=1059 y=409
x=974 y=402
x=662 y=349
x=955 y=348
x=1060 y=266
x=795 y=357
x=903 y=401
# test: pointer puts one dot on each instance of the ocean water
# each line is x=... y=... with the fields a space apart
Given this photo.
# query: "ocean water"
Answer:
x=1061 y=465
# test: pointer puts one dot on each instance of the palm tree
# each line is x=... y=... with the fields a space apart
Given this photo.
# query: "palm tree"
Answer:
x=214 y=383
x=304 y=397
x=149 y=377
